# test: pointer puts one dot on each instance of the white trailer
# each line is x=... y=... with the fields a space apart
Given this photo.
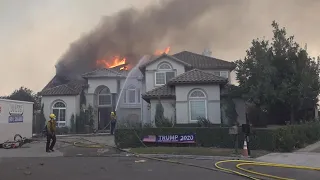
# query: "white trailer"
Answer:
x=15 y=118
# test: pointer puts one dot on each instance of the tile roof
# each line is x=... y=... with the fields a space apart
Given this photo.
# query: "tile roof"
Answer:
x=164 y=91
x=197 y=76
x=56 y=81
x=102 y=72
x=69 y=89
x=203 y=62
x=164 y=55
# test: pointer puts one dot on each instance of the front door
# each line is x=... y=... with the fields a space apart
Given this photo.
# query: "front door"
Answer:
x=104 y=118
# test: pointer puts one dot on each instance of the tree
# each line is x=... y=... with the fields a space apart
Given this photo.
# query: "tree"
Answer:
x=25 y=94
x=159 y=117
x=279 y=76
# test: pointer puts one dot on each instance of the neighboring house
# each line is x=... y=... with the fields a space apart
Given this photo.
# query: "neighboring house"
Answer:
x=187 y=84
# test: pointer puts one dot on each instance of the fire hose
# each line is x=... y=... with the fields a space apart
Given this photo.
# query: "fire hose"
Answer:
x=238 y=170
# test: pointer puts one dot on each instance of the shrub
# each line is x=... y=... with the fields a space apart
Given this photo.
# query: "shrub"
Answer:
x=159 y=117
x=284 y=139
x=203 y=122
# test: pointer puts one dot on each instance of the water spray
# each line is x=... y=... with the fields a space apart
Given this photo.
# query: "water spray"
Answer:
x=129 y=74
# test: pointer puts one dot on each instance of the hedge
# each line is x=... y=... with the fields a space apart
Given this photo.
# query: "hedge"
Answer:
x=284 y=139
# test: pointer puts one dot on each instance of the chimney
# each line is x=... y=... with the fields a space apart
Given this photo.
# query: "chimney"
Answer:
x=207 y=52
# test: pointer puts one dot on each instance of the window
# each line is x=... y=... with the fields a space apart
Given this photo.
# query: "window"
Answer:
x=104 y=97
x=59 y=109
x=164 y=66
x=164 y=74
x=221 y=73
x=131 y=95
x=197 y=105
x=224 y=74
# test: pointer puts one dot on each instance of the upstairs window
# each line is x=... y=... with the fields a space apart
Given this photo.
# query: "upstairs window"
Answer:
x=131 y=95
x=164 y=74
x=224 y=74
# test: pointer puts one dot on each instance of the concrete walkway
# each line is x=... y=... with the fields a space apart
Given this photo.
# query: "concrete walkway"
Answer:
x=309 y=156
x=34 y=149
x=37 y=147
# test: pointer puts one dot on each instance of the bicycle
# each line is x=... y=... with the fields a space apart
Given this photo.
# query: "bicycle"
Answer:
x=18 y=142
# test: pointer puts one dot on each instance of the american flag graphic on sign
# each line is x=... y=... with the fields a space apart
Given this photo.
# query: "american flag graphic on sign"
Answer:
x=150 y=138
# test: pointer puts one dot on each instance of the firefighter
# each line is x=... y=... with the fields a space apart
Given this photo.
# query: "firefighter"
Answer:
x=113 y=118
x=51 y=133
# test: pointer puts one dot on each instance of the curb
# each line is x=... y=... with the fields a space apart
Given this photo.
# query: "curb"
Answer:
x=86 y=135
x=92 y=135
x=196 y=157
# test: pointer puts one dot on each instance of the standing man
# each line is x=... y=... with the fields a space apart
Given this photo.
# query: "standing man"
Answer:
x=113 y=122
x=51 y=133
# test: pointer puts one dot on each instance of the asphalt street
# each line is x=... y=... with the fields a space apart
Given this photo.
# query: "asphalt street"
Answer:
x=113 y=168
x=71 y=162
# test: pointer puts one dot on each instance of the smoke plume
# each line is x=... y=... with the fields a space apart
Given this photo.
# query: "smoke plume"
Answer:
x=132 y=33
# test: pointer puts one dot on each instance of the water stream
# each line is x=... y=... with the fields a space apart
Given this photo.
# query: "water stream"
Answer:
x=134 y=69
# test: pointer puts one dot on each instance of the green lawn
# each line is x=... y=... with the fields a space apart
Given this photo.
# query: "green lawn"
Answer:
x=195 y=151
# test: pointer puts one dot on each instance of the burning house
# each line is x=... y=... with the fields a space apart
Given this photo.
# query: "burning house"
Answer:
x=187 y=84
x=103 y=66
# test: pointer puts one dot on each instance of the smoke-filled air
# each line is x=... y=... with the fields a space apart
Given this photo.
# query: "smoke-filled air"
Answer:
x=129 y=34
x=47 y=33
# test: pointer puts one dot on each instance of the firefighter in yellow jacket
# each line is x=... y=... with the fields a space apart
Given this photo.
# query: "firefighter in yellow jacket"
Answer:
x=113 y=118
x=51 y=133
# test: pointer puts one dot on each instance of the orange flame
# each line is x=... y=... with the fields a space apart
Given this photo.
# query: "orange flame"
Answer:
x=116 y=61
x=159 y=52
x=125 y=68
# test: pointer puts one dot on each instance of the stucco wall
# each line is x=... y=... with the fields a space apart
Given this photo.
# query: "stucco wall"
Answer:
x=131 y=114
x=151 y=69
x=96 y=82
x=213 y=102
x=131 y=81
x=72 y=103
x=8 y=130
x=168 y=109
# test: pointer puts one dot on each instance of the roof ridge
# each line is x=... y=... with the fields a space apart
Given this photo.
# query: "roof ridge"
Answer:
x=197 y=54
x=165 y=55
x=101 y=69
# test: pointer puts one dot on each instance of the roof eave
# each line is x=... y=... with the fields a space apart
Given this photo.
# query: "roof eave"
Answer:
x=148 y=97
x=143 y=67
x=197 y=82
x=44 y=95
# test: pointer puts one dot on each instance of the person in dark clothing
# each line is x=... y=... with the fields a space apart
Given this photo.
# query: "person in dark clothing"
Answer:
x=51 y=133
x=113 y=122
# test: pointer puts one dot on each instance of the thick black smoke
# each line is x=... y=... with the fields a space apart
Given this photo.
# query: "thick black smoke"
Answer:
x=133 y=33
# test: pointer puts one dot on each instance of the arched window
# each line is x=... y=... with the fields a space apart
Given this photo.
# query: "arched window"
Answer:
x=104 y=97
x=197 y=105
x=59 y=109
x=163 y=74
x=164 y=66
x=131 y=95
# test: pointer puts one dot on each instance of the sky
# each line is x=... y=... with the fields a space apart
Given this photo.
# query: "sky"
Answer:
x=35 y=33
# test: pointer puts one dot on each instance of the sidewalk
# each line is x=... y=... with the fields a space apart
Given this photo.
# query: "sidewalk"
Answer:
x=308 y=156
x=33 y=149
